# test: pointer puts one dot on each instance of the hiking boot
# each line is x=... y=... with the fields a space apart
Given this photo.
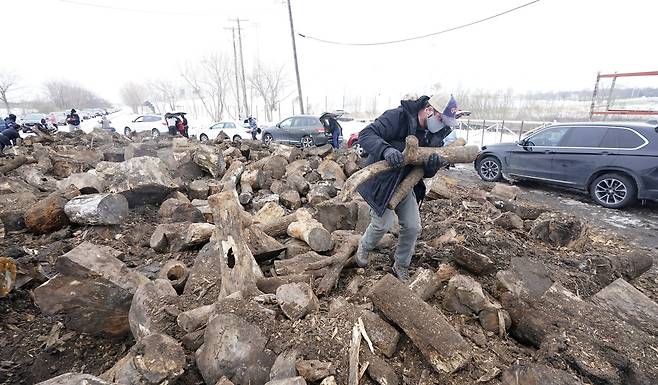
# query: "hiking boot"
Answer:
x=401 y=272
x=361 y=258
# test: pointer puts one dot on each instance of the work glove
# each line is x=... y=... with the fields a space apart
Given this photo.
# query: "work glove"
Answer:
x=394 y=157
x=433 y=165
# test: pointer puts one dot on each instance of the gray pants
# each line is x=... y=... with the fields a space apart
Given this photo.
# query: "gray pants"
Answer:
x=409 y=220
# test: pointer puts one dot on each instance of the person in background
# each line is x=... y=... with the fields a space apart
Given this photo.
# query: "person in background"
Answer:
x=384 y=139
x=8 y=132
x=53 y=120
x=253 y=126
x=186 y=128
x=73 y=120
x=335 y=131
x=171 y=123
x=105 y=123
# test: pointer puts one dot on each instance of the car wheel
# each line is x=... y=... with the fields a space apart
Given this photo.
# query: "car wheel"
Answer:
x=127 y=132
x=614 y=191
x=307 y=142
x=237 y=138
x=267 y=139
x=489 y=169
x=155 y=133
x=203 y=137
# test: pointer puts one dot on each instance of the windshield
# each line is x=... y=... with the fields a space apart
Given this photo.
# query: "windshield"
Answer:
x=33 y=116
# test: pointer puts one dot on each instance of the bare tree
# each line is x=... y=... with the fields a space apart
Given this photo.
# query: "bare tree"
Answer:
x=66 y=94
x=270 y=84
x=209 y=81
x=8 y=80
x=133 y=95
x=164 y=91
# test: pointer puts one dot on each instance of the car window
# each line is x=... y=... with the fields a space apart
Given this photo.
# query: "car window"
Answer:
x=286 y=123
x=229 y=125
x=584 y=136
x=548 y=138
x=139 y=120
x=216 y=126
x=621 y=138
x=313 y=122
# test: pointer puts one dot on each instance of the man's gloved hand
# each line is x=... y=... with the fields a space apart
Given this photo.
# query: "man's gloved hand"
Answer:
x=433 y=165
x=394 y=157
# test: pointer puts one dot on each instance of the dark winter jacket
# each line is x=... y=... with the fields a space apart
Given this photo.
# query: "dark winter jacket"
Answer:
x=390 y=130
x=73 y=119
x=9 y=135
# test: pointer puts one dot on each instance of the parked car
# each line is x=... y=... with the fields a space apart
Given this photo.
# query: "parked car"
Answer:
x=156 y=124
x=32 y=119
x=616 y=163
x=300 y=130
x=234 y=130
x=353 y=142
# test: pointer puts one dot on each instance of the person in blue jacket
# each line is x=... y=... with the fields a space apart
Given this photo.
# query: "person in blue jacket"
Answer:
x=8 y=132
x=431 y=121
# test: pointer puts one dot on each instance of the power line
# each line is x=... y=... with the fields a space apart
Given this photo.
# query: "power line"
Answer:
x=421 y=36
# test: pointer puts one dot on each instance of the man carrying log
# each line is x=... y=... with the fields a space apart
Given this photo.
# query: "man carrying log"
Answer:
x=385 y=139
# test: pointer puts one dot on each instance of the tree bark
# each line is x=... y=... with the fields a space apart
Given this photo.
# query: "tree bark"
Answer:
x=412 y=155
x=312 y=232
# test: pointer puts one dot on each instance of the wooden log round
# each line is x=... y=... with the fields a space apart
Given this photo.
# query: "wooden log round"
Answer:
x=313 y=233
x=176 y=273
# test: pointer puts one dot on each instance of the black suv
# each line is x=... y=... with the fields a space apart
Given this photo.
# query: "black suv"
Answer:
x=617 y=163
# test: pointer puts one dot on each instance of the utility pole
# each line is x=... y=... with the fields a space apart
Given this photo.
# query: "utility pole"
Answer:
x=244 y=82
x=294 y=52
x=235 y=62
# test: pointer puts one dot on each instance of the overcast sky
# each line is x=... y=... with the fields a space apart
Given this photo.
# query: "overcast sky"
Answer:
x=550 y=45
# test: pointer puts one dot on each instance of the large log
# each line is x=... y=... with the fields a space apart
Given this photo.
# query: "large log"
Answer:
x=426 y=326
x=413 y=154
x=170 y=237
x=473 y=261
x=48 y=214
x=312 y=232
x=97 y=209
x=155 y=359
x=15 y=163
x=231 y=178
x=93 y=290
x=310 y=263
x=624 y=301
x=148 y=313
x=250 y=181
x=268 y=285
x=239 y=269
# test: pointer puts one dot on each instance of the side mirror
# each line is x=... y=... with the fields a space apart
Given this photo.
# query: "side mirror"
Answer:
x=278 y=125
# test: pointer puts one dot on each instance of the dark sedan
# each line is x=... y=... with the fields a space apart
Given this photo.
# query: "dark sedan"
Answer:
x=617 y=163
x=301 y=130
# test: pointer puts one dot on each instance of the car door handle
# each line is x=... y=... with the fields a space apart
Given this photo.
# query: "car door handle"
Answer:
x=605 y=153
x=547 y=151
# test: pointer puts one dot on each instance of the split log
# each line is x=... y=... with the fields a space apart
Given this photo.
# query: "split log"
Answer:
x=268 y=285
x=170 y=237
x=278 y=227
x=15 y=163
x=147 y=313
x=7 y=275
x=195 y=319
x=424 y=283
x=262 y=246
x=239 y=269
x=425 y=325
x=473 y=261
x=284 y=365
x=312 y=232
x=48 y=215
x=384 y=336
x=205 y=273
x=93 y=290
x=413 y=154
x=97 y=209
x=296 y=300
x=249 y=181
x=380 y=371
x=625 y=302
x=155 y=359
x=355 y=345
